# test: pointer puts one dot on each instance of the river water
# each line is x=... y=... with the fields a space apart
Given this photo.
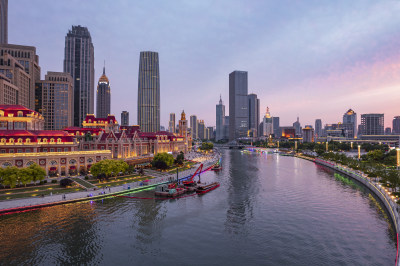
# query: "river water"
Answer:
x=269 y=210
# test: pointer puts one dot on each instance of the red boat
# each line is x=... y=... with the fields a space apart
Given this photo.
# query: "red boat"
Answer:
x=202 y=188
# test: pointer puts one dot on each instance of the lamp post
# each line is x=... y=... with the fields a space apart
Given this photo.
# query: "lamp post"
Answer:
x=359 y=152
x=326 y=146
x=295 y=145
x=398 y=158
x=278 y=143
x=351 y=145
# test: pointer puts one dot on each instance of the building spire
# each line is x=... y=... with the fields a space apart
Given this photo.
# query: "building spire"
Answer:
x=104 y=68
x=220 y=99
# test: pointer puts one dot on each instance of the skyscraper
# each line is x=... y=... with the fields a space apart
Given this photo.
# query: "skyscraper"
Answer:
x=171 y=124
x=125 y=118
x=3 y=21
x=350 y=123
x=54 y=100
x=372 y=124
x=194 y=126
x=254 y=113
x=103 y=103
x=220 y=120
x=149 y=92
x=79 y=62
x=318 y=128
x=267 y=124
x=26 y=56
x=297 y=127
x=182 y=125
x=275 y=126
x=238 y=105
x=396 y=125
x=201 y=133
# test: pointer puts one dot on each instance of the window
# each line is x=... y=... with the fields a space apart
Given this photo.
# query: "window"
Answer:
x=44 y=149
x=51 y=149
x=27 y=150
x=19 y=151
x=65 y=149
x=3 y=151
x=58 y=149
x=11 y=151
x=20 y=141
x=59 y=140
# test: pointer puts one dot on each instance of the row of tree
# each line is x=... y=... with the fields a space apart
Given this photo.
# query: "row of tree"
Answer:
x=164 y=160
x=107 y=168
x=13 y=176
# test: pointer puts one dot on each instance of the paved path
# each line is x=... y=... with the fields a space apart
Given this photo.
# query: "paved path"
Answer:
x=159 y=178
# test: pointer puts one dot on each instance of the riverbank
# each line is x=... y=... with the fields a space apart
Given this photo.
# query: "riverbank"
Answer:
x=17 y=205
x=383 y=194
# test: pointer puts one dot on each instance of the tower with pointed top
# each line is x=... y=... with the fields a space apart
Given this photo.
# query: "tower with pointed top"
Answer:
x=103 y=103
x=220 y=120
x=183 y=125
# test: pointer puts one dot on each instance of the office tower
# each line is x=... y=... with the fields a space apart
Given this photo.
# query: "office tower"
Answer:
x=388 y=131
x=3 y=21
x=275 y=126
x=318 y=128
x=372 y=124
x=308 y=134
x=226 y=128
x=162 y=128
x=396 y=125
x=297 y=126
x=171 y=124
x=103 y=103
x=79 y=62
x=211 y=133
x=201 y=131
x=350 y=123
x=15 y=82
x=26 y=56
x=194 y=126
x=54 y=100
x=220 y=120
x=238 y=105
x=149 y=92
x=125 y=118
x=254 y=113
x=267 y=124
x=183 y=128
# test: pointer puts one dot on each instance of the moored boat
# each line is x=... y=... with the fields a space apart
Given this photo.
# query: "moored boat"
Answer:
x=204 y=188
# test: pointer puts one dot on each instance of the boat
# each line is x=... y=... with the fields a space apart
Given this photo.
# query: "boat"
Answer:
x=204 y=188
x=170 y=190
x=216 y=167
x=189 y=185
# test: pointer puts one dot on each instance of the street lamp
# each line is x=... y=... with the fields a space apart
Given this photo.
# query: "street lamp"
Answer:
x=359 y=152
x=278 y=143
x=327 y=146
x=351 y=145
x=398 y=158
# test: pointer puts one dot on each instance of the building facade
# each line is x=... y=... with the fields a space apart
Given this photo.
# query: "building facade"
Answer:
x=372 y=124
x=201 y=131
x=276 y=126
x=238 y=105
x=254 y=113
x=171 y=123
x=268 y=128
x=220 y=120
x=26 y=56
x=3 y=21
x=103 y=99
x=318 y=128
x=79 y=63
x=194 y=128
x=350 y=123
x=308 y=134
x=54 y=100
x=125 y=118
x=396 y=125
x=148 y=115
x=297 y=127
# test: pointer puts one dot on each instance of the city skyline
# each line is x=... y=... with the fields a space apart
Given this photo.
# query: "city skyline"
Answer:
x=297 y=55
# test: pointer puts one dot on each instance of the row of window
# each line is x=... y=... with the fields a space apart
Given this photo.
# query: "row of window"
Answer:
x=30 y=150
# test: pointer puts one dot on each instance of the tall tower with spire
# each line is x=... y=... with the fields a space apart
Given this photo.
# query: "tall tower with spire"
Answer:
x=220 y=120
x=103 y=104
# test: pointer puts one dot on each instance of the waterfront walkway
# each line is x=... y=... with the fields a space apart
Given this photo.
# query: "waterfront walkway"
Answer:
x=160 y=177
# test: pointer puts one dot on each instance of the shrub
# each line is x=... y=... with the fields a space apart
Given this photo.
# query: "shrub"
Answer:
x=86 y=177
x=65 y=182
x=53 y=181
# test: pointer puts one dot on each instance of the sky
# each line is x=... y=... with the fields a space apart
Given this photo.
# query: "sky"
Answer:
x=312 y=59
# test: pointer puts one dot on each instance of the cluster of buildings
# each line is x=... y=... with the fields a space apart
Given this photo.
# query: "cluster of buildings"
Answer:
x=51 y=122
x=197 y=130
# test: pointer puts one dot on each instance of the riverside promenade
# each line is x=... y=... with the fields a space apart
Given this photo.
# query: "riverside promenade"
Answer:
x=382 y=193
x=10 y=206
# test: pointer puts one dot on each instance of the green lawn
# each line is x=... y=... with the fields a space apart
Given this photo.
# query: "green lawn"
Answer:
x=45 y=192
x=28 y=189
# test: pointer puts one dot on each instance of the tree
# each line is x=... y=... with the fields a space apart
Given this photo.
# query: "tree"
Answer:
x=180 y=158
x=25 y=176
x=37 y=172
x=11 y=176
x=206 y=146
x=394 y=178
x=163 y=160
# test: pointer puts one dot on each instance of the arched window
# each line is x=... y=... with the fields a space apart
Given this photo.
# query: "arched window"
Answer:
x=20 y=141
x=28 y=141
x=45 y=140
x=52 y=140
x=20 y=114
x=11 y=140
x=59 y=140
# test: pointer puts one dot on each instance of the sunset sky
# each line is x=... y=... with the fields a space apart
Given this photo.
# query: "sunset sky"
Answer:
x=312 y=59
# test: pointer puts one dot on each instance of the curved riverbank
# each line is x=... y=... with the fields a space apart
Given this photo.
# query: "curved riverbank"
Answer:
x=388 y=200
x=20 y=205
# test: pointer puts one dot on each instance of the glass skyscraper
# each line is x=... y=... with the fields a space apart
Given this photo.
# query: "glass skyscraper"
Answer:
x=220 y=120
x=79 y=62
x=103 y=99
x=149 y=92
x=3 y=21
x=238 y=105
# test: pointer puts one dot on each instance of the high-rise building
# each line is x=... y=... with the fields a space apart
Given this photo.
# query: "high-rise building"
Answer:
x=194 y=129
x=15 y=82
x=350 y=124
x=26 y=56
x=182 y=125
x=201 y=131
x=238 y=105
x=388 y=131
x=210 y=132
x=220 y=120
x=297 y=127
x=3 y=21
x=372 y=124
x=103 y=103
x=254 y=113
x=171 y=124
x=226 y=127
x=396 y=125
x=318 y=128
x=79 y=62
x=149 y=92
x=308 y=134
x=125 y=118
x=54 y=100
x=268 y=127
x=275 y=126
